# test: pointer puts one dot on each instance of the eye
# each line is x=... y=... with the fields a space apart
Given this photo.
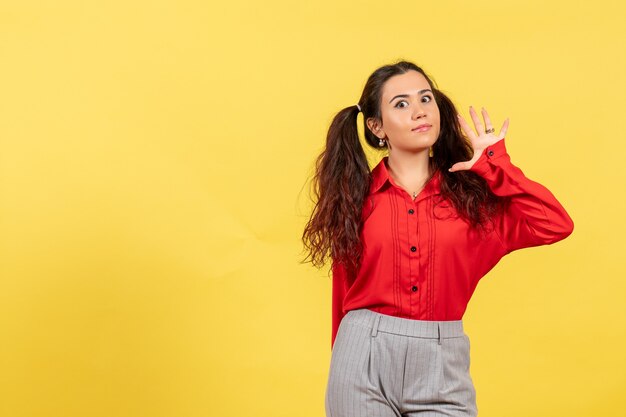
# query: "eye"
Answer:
x=429 y=99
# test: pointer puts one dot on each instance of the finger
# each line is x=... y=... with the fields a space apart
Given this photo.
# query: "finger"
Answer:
x=488 y=124
x=459 y=166
x=505 y=127
x=479 y=125
x=466 y=128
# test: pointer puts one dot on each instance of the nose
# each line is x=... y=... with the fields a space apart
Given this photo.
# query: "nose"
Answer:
x=418 y=112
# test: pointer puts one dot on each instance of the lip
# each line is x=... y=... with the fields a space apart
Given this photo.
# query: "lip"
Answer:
x=422 y=128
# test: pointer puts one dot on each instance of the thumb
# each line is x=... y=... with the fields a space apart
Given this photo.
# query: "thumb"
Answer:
x=459 y=166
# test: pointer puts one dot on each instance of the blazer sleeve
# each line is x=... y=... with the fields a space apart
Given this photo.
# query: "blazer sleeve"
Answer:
x=533 y=216
x=340 y=288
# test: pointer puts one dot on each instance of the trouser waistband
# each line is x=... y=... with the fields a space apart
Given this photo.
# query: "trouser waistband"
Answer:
x=379 y=322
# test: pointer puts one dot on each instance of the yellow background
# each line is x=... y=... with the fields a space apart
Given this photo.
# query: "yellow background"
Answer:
x=154 y=167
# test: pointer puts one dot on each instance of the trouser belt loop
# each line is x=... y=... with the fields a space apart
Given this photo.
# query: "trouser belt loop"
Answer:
x=375 y=326
x=439 y=332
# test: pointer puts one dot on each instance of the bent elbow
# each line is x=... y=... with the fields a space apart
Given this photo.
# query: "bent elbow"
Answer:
x=562 y=229
x=569 y=228
x=567 y=225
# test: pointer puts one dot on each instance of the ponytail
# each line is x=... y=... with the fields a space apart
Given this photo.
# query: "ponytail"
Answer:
x=341 y=184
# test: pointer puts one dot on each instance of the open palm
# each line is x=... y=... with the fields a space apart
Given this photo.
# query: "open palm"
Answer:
x=478 y=141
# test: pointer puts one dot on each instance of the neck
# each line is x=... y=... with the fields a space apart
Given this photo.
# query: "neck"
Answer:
x=409 y=168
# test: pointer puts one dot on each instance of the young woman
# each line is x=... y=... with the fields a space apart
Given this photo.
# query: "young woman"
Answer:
x=409 y=241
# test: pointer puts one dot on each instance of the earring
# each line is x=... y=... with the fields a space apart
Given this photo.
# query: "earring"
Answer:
x=381 y=142
x=430 y=152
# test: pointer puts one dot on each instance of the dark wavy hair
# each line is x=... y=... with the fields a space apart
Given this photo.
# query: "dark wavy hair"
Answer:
x=342 y=174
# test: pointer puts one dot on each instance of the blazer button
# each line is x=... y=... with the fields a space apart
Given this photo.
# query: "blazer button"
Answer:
x=413 y=248
x=414 y=288
x=411 y=211
x=490 y=153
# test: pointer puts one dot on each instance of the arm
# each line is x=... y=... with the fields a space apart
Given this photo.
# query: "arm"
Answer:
x=339 y=292
x=533 y=216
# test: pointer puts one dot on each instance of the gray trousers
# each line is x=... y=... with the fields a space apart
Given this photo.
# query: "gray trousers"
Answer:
x=387 y=366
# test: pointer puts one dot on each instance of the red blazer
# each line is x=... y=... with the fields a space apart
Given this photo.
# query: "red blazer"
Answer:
x=422 y=261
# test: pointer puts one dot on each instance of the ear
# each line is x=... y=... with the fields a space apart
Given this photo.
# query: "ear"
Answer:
x=375 y=127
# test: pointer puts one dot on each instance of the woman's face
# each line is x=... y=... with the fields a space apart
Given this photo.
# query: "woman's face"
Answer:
x=407 y=102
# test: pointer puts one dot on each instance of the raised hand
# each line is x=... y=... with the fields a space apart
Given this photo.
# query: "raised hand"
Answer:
x=481 y=140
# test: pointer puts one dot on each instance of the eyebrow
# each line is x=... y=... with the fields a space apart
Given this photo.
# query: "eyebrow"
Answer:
x=406 y=95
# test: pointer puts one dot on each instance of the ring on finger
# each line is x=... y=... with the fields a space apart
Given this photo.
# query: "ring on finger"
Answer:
x=490 y=130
